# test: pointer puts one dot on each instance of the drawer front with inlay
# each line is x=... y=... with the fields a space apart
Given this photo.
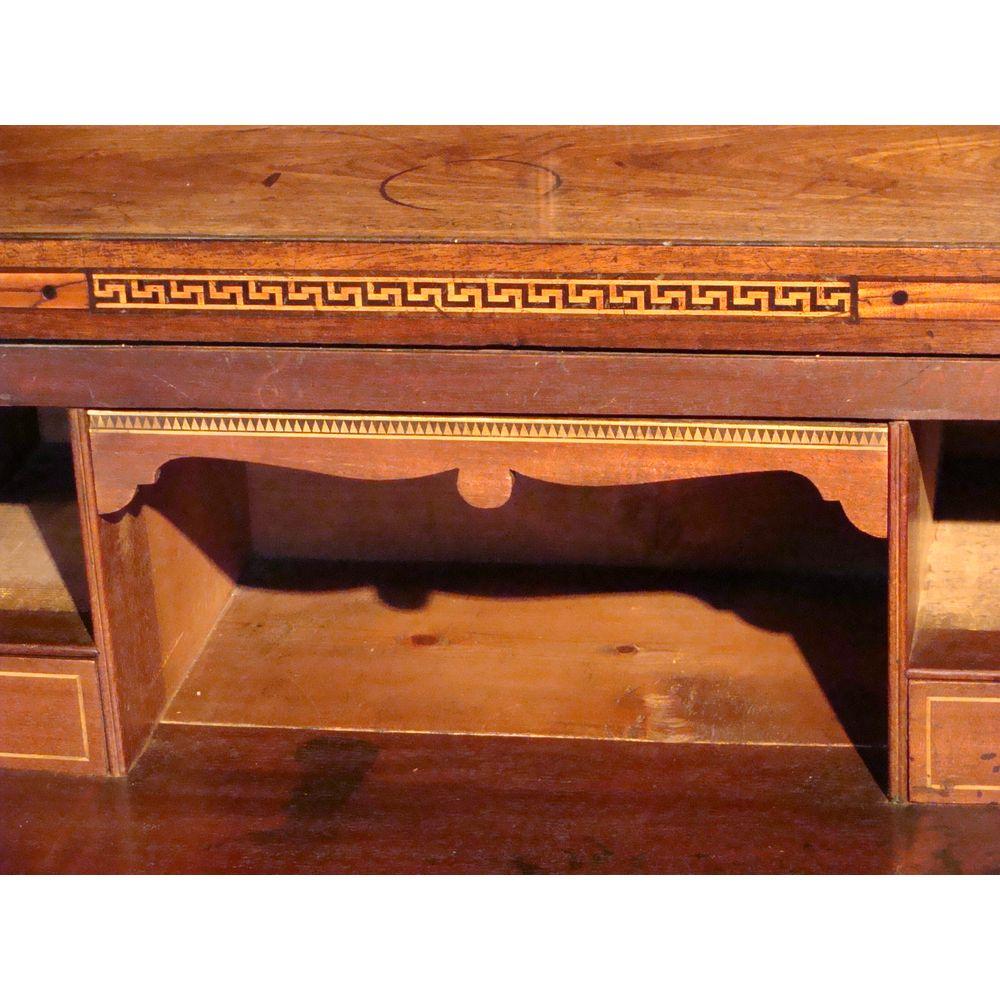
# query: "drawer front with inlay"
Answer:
x=954 y=742
x=50 y=715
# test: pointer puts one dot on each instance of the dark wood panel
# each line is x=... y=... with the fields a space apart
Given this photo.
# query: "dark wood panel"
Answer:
x=244 y=800
x=766 y=522
x=503 y=382
x=161 y=571
x=18 y=436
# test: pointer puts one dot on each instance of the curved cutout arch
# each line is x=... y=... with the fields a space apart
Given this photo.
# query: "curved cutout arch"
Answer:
x=847 y=463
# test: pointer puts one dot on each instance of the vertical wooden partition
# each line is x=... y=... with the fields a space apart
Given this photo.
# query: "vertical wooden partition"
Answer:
x=945 y=637
x=50 y=710
x=953 y=667
x=161 y=571
x=914 y=451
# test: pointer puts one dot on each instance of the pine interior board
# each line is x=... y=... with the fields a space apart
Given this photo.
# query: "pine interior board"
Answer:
x=578 y=652
x=43 y=586
x=962 y=590
x=958 y=621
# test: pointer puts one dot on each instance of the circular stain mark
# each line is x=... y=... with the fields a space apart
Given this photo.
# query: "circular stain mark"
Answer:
x=498 y=180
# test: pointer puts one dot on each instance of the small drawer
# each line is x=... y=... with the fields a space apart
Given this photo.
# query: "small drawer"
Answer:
x=954 y=741
x=50 y=715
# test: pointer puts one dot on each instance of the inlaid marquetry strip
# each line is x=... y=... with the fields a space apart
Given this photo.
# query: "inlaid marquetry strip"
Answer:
x=741 y=434
x=580 y=295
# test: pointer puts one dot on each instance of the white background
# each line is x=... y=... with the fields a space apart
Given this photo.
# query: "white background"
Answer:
x=179 y=62
x=287 y=61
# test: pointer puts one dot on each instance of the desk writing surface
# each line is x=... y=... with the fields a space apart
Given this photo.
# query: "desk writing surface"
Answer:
x=794 y=185
x=767 y=239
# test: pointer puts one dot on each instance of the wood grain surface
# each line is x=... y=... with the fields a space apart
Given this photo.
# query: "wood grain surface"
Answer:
x=509 y=184
x=766 y=522
x=867 y=261
x=955 y=742
x=829 y=337
x=43 y=583
x=156 y=587
x=919 y=301
x=565 y=383
x=902 y=220
x=777 y=274
x=575 y=652
x=205 y=799
x=846 y=462
x=50 y=714
x=58 y=290
x=786 y=313
x=958 y=624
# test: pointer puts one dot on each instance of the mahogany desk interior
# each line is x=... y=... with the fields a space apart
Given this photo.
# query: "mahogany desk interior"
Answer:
x=610 y=485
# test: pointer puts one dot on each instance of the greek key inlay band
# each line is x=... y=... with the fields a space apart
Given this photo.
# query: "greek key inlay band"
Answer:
x=584 y=296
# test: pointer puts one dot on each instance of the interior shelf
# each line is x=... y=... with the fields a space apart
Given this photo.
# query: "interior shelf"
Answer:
x=43 y=585
x=597 y=652
x=958 y=619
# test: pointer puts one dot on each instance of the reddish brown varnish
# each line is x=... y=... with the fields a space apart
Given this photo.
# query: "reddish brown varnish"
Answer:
x=611 y=592
x=250 y=800
x=904 y=217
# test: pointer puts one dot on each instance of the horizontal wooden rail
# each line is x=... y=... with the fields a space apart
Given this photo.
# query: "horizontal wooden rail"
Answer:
x=501 y=382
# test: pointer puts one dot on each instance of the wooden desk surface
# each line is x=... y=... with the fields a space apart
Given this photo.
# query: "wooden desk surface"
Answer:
x=717 y=185
x=881 y=243
x=210 y=799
